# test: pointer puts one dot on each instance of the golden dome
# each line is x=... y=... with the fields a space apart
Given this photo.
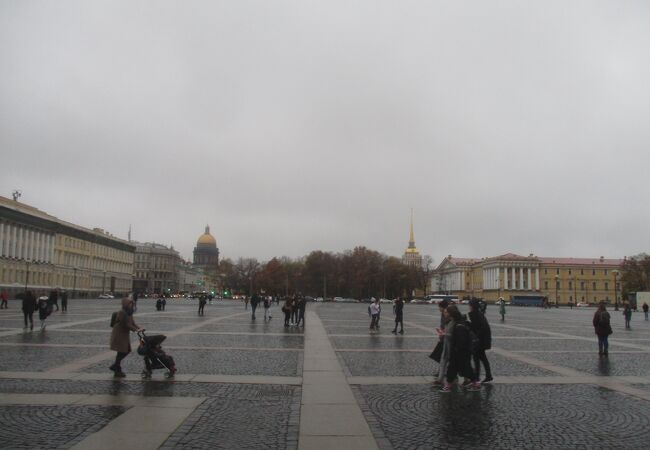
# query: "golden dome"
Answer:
x=206 y=238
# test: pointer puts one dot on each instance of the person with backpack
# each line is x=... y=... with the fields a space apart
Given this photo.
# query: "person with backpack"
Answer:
x=458 y=342
x=481 y=328
x=645 y=310
x=602 y=328
x=202 y=301
x=374 y=314
x=267 y=307
x=122 y=324
x=44 y=310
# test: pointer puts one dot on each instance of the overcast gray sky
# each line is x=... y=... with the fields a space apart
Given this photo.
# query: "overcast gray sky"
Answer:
x=290 y=126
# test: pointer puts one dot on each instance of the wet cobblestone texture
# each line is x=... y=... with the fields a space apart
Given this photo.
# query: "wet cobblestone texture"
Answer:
x=505 y=417
x=38 y=359
x=621 y=364
x=150 y=388
x=380 y=363
x=555 y=344
x=60 y=337
x=51 y=427
x=267 y=418
x=237 y=340
x=390 y=342
x=259 y=326
x=220 y=362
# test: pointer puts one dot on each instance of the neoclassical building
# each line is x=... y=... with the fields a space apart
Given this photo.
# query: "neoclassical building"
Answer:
x=561 y=280
x=41 y=252
x=156 y=269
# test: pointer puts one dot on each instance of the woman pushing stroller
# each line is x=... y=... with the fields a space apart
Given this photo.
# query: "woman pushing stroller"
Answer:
x=122 y=323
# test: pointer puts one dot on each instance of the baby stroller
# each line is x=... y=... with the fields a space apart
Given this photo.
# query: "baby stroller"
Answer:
x=154 y=356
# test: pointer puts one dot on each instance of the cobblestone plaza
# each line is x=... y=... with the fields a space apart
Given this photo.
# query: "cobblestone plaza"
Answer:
x=258 y=385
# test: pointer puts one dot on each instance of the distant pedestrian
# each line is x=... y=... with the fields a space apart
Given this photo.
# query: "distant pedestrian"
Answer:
x=482 y=306
x=202 y=301
x=627 y=314
x=294 y=310
x=502 y=309
x=255 y=300
x=135 y=301
x=602 y=328
x=245 y=302
x=44 y=310
x=645 y=310
x=374 y=315
x=4 y=297
x=163 y=302
x=120 y=335
x=267 y=307
x=302 y=305
x=29 y=306
x=54 y=299
x=286 y=309
x=398 y=311
x=481 y=328
x=64 y=301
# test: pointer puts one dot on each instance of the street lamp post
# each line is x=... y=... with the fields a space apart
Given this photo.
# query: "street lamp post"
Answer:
x=575 y=291
x=74 y=283
x=557 y=285
x=615 y=272
x=104 y=283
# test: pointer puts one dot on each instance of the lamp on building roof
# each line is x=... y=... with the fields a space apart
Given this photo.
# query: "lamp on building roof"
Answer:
x=16 y=194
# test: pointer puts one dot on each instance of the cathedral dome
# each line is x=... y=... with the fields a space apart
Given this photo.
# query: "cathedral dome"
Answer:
x=206 y=238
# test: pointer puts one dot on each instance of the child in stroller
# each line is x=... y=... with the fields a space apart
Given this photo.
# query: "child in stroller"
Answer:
x=154 y=356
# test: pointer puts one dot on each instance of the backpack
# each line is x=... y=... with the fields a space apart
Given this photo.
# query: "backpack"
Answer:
x=468 y=342
x=114 y=318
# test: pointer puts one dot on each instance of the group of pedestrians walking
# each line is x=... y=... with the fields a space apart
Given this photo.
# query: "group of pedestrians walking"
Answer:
x=294 y=310
x=462 y=342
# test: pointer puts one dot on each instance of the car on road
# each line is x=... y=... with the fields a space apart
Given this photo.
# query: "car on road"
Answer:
x=385 y=300
x=318 y=299
x=417 y=301
x=106 y=296
x=582 y=304
x=338 y=299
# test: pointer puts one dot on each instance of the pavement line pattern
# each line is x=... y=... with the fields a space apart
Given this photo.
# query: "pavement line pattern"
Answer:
x=81 y=364
x=330 y=417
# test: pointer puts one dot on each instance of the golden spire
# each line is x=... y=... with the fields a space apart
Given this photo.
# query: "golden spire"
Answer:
x=412 y=235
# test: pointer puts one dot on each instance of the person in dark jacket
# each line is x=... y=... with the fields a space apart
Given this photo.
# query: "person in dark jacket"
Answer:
x=255 y=300
x=602 y=328
x=461 y=354
x=44 y=310
x=302 y=305
x=64 y=301
x=481 y=328
x=54 y=299
x=29 y=306
x=627 y=315
x=398 y=310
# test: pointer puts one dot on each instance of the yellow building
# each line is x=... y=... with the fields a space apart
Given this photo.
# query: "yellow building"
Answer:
x=41 y=252
x=516 y=277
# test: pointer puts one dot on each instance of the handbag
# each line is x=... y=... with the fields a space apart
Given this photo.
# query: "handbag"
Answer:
x=436 y=354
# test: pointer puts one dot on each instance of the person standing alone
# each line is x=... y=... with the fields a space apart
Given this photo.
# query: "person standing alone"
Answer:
x=29 y=306
x=5 y=305
x=374 y=315
x=645 y=310
x=64 y=301
x=398 y=310
x=602 y=328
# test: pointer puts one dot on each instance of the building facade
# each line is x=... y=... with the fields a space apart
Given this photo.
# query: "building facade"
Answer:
x=41 y=252
x=560 y=280
x=156 y=269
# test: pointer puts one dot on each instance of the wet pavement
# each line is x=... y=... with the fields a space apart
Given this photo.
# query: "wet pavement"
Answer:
x=244 y=383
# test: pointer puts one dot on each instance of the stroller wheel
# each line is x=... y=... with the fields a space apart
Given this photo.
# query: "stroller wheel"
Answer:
x=146 y=374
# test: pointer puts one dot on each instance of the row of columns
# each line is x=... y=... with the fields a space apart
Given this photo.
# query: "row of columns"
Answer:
x=20 y=242
x=492 y=278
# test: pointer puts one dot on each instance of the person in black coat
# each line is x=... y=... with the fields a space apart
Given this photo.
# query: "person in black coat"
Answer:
x=481 y=328
x=255 y=300
x=461 y=354
x=29 y=306
x=398 y=310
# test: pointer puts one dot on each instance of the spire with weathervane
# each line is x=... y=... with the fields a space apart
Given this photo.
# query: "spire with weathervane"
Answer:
x=412 y=256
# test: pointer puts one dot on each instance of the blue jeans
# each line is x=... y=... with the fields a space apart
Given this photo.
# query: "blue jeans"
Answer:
x=603 y=344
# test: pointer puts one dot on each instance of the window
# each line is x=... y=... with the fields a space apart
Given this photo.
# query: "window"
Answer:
x=582 y=285
x=546 y=285
x=545 y=272
x=569 y=271
x=570 y=284
x=606 y=286
x=582 y=272
x=605 y=272
x=593 y=285
x=593 y=271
